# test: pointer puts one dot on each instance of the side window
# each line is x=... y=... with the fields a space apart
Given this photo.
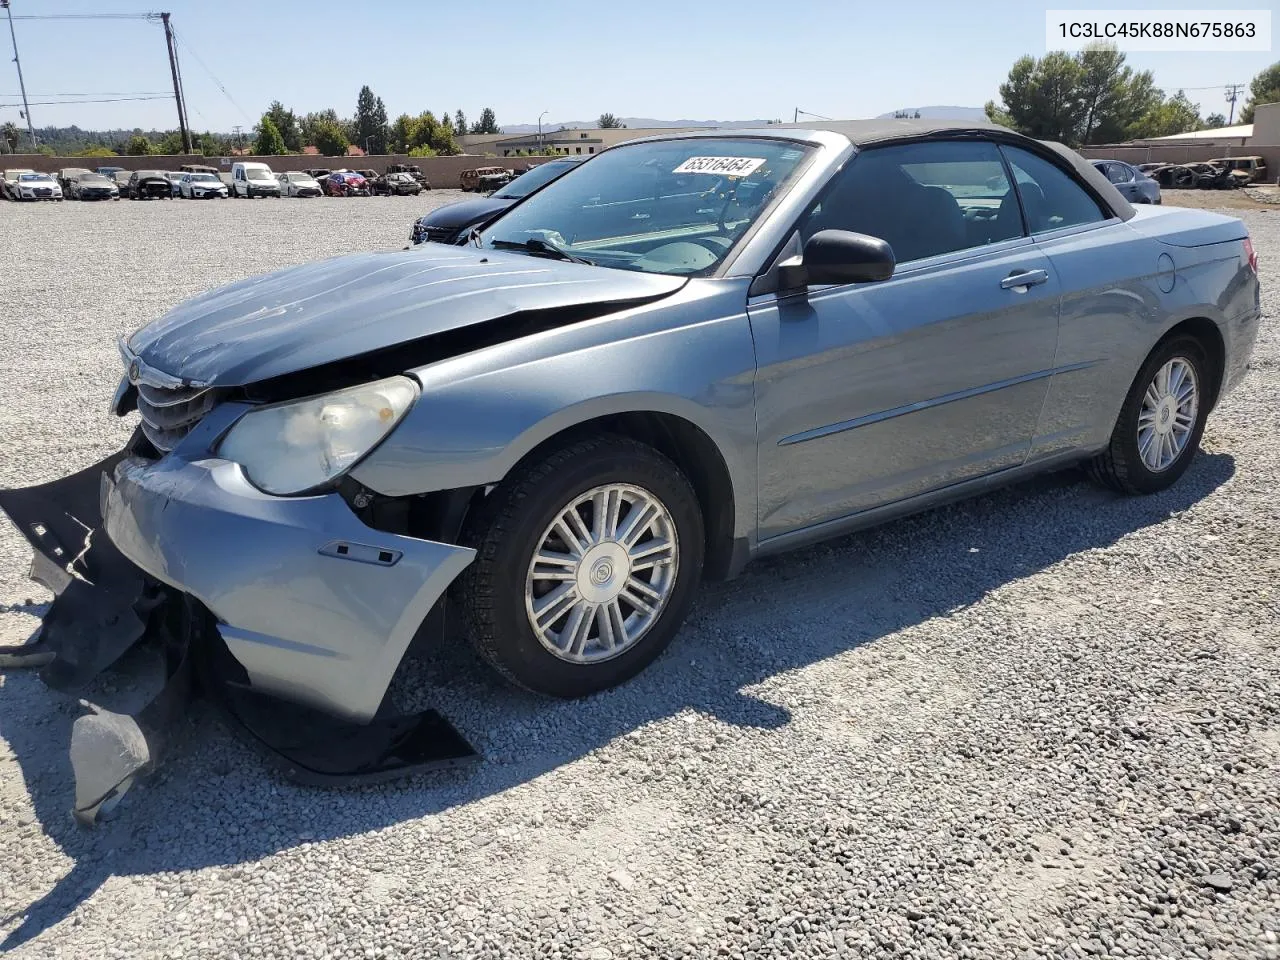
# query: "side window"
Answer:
x=1118 y=173
x=1051 y=198
x=924 y=199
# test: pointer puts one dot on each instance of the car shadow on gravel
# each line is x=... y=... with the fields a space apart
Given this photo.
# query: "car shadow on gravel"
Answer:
x=216 y=804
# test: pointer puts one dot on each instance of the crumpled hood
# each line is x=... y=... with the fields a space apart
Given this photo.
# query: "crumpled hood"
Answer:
x=317 y=313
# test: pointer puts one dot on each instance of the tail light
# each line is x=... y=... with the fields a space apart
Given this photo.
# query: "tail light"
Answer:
x=1250 y=254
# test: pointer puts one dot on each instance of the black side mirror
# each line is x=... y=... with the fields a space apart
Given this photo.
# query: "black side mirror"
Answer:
x=838 y=256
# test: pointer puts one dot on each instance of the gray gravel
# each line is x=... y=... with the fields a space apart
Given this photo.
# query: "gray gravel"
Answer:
x=1041 y=723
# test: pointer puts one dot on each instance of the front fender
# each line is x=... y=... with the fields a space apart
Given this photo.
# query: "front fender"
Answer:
x=688 y=356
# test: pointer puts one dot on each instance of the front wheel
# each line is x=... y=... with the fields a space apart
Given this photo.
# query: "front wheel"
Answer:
x=1161 y=422
x=587 y=562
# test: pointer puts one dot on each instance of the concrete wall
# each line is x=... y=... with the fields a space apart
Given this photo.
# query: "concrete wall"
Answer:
x=1266 y=124
x=443 y=172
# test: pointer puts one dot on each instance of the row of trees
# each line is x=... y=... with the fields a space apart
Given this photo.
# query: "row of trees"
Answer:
x=281 y=131
x=1093 y=97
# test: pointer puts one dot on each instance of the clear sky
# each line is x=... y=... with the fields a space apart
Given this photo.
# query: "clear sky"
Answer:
x=575 y=59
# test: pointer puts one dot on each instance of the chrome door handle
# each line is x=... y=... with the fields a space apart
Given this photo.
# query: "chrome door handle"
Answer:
x=1024 y=278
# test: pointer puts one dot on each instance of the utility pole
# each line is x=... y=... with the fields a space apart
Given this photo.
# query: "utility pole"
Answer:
x=1233 y=92
x=540 y=116
x=235 y=132
x=177 y=83
x=26 y=110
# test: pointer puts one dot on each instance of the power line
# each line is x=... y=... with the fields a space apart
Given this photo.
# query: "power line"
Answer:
x=216 y=81
x=84 y=16
x=98 y=93
x=1233 y=92
x=74 y=103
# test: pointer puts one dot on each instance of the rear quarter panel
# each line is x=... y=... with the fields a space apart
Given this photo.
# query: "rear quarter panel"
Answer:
x=689 y=355
x=1124 y=288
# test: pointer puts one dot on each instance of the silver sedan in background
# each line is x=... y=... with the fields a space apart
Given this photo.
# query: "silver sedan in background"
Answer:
x=1134 y=185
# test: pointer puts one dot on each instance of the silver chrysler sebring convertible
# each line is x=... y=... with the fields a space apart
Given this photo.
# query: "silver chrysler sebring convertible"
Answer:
x=690 y=351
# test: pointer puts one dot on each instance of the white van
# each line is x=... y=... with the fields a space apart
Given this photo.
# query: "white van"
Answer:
x=253 y=180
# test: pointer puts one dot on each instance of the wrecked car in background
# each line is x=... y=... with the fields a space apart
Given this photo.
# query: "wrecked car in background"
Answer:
x=690 y=351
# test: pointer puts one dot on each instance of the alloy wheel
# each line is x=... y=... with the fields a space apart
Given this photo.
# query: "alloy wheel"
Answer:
x=602 y=573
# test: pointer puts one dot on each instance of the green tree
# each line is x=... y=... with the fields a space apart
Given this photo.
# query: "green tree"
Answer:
x=400 y=134
x=138 y=146
x=170 y=144
x=422 y=151
x=98 y=151
x=1103 y=82
x=287 y=123
x=608 y=121
x=1265 y=88
x=311 y=122
x=1041 y=97
x=329 y=138
x=1215 y=120
x=1172 y=116
x=379 y=140
x=426 y=130
x=269 y=142
x=370 y=122
x=460 y=123
x=487 y=123
x=9 y=133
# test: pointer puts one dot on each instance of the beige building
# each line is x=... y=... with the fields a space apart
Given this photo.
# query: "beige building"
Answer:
x=582 y=142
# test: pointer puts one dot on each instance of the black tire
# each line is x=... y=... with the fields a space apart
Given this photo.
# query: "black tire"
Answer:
x=1120 y=466
x=506 y=528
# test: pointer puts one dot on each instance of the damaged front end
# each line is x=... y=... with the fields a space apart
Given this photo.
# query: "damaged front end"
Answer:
x=105 y=604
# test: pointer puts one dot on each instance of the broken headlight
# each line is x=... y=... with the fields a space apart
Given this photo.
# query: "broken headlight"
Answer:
x=291 y=448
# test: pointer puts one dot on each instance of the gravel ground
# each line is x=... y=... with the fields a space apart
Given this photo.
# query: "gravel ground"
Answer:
x=1041 y=723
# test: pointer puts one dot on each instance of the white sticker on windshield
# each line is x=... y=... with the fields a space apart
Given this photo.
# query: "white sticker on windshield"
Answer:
x=721 y=166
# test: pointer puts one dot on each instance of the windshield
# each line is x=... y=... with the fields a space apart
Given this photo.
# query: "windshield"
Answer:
x=668 y=206
x=255 y=174
x=531 y=180
x=92 y=178
x=30 y=177
x=204 y=178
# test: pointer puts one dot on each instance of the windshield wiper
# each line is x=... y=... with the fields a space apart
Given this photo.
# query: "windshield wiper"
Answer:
x=538 y=245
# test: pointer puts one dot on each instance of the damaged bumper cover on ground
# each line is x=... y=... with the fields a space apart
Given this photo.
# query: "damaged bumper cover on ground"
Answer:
x=290 y=611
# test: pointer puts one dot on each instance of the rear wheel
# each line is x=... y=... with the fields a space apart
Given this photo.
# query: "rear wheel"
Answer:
x=587 y=561
x=1160 y=425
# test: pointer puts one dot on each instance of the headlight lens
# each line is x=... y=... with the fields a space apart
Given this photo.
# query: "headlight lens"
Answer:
x=293 y=447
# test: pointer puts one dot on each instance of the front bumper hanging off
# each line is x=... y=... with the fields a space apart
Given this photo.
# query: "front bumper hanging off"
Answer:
x=87 y=531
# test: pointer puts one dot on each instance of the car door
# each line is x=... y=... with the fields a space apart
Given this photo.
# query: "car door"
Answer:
x=1106 y=312
x=1126 y=180
x=872 y=393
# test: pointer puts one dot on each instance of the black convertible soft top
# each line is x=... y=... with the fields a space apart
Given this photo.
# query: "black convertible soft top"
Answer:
x=882 y=130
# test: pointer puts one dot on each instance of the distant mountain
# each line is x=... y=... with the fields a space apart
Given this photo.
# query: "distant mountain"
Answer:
x=940 y=113
x=634 y=123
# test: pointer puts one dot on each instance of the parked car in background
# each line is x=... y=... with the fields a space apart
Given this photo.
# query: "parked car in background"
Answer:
x=9 y=185
x=369 y=175
x=484 y=179
x=37 y=186
x=1134 y=185
x=149 y=185
x=295 y=183
x=318 y=174
x=109 y=172
x=68 y=175
x=397 y=185
x=175 y=179
x=250 y=180
x=121 y=179
x=345 y=183
x=413 y=170
x=1246 y=170
x=93 y=186
x=452 y=223
x=198 y=168
x=202 y=186
x=225 y=177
